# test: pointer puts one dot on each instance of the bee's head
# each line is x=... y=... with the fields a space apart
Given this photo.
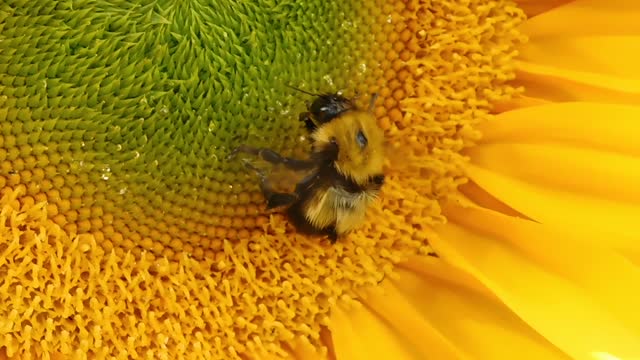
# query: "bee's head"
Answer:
x=329 y=106
x=359 y=142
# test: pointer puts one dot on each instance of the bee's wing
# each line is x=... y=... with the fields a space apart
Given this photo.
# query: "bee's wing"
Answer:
x=280 y=178
x=285 y=180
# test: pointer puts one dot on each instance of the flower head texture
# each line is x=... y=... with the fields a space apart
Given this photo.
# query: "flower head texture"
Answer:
x=506 y=227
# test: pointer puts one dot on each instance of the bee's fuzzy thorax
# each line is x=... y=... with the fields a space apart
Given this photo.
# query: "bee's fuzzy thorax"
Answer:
x=354 y=161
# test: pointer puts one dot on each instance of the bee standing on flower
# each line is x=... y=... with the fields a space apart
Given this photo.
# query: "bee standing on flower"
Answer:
x=345 y=168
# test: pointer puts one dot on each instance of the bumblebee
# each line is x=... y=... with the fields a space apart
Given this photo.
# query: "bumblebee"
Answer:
x=344 y=170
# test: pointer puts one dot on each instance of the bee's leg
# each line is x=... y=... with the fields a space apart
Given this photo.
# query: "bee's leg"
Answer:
x=308 y=121
x=273 y=157
x=376 y=182
x=278 y=199
x=274 y=199
x=306 y=183
x=332 y=234
x=372 y=102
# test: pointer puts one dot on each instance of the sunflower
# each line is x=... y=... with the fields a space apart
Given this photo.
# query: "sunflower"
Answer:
x=506 y=227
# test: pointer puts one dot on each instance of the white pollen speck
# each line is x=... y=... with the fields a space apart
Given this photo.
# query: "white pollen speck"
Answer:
x=328 y=79
x=106 y=171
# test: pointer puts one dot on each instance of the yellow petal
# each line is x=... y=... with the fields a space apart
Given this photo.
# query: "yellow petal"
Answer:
x=597 y=220
x=600 y=126
x=610 y=220
x=394 y=309
x=359 y=334
x=300 y=349
x=481 y=197
x=467 y=313
x=535 y=7
x=590 y=54
x=587 y=17
x=546 y=180
x=557 y=84
x=596 y=173
x=572 y=60
x=525 y=266
x=517 y=103
x=565 y=253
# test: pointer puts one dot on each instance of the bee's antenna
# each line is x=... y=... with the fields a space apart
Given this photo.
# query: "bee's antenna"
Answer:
x=372 y=102
x=303 y=91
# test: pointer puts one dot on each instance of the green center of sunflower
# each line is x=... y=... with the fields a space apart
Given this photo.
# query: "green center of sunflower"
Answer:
x=125 y=224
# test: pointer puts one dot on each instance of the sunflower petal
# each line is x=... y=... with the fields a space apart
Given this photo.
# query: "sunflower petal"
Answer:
x=571 y=60
x=486 y=243
x=606 y=127
x=607 y=279
x=480 y=197
x=405 y=320
x=562 y=168
x=594 y=53
x=588 y=17
x=357 y=333
x=560 y=191
x=535 y=7
x=592 y=217
x=467 y=313
x=518 y=102
x=300 y=349
x=557 y=84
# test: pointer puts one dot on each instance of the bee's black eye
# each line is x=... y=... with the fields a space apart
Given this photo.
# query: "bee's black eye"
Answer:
x=361 y=139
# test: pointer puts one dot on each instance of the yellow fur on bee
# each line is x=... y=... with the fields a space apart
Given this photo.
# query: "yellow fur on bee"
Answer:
x=353 y=161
